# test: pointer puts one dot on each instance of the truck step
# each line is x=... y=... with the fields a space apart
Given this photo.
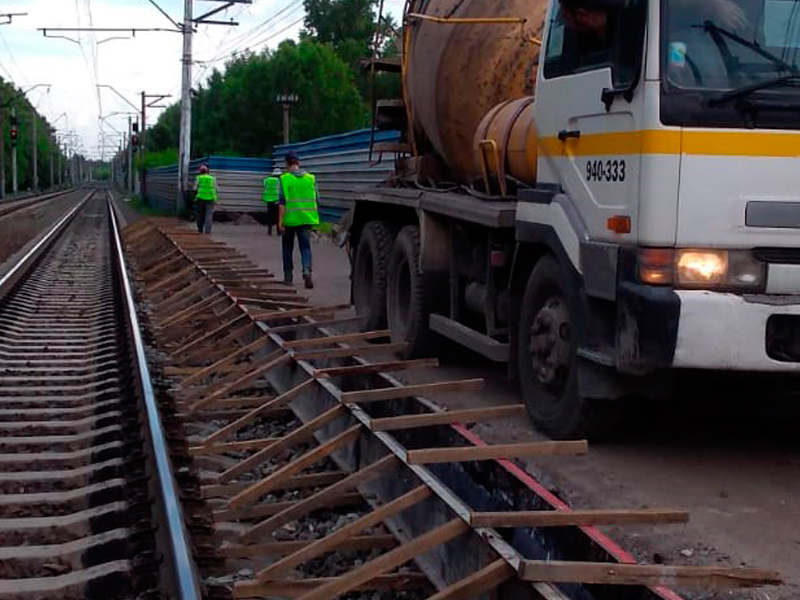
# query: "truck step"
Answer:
x=470 y=338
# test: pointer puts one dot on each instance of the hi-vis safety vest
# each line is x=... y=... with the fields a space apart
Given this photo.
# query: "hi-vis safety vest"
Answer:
x=206 y=188
x=300 y=194
x=270 y=194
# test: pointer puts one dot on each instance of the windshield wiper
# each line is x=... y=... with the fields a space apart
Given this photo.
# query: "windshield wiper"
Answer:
x=711 y=27
x=750 y=88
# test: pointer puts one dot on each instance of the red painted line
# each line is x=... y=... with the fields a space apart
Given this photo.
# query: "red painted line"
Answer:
x=600 y=538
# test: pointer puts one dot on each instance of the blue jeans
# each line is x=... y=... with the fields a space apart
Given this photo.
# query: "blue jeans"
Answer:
x=303 y=233
x=205 y=216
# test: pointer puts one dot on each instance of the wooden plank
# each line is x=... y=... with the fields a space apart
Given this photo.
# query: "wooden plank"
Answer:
x=320 y=499
x=183 y=372
x=239 y=383
x=336 y=339
x=229 y=414
x=332 y=541
x=303 y=433
x=182 y=296
x=231 y=358
x=164 y=263
x=298 y=482
x=269 y=299
x=269 y=509
x=409 y=391
x=277 y=315
x=208 y=304
x=429 y=456
x=208 y=336
x=350 y=351
x=316 y=325
x=279 y=476
x=278 y=549
x=646 y=575
x=381 y=367
x=189 y=393
x=257 y=412
x=175 y=277
x=295 y=588
x=470 y=415
x=221 y=344
x=476 y=584
x=241 y=446
x=565 y=518
x=392 y=559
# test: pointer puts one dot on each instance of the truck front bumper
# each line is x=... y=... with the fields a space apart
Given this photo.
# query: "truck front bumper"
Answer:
x=661 y=328
x=735 y=332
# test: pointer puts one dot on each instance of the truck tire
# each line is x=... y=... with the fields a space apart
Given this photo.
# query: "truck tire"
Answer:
x=549 y=365
x=369 y=273
x=410 y=296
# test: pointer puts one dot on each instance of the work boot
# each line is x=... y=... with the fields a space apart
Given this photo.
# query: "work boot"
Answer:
x=308 y=280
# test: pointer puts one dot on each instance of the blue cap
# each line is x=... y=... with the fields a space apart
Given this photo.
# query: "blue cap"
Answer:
x=292 y=158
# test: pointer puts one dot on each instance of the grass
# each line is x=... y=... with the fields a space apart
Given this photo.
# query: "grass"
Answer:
x=140 y=207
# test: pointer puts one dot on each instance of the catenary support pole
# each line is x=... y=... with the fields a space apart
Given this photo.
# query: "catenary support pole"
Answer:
x=130 y=155
x=2 y=157
x=184 y=151
x=14 y=188
x=34 y=152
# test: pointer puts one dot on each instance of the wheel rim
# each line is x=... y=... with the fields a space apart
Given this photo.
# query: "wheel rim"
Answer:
x=364 y=276
x=551 y=344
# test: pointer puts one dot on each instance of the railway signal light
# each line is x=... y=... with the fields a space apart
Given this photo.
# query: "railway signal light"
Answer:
x=14 y=130
x=135 y=141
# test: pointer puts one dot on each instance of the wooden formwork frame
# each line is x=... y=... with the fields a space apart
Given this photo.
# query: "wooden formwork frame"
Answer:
x=242 y=498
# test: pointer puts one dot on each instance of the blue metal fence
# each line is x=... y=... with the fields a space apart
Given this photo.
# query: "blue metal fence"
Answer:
x=340 y=162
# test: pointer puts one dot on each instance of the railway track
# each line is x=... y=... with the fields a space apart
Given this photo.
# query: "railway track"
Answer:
x=313 y=473
x=8 y=207
x=81 y=505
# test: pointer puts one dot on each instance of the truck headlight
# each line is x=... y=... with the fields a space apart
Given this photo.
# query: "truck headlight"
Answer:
x=701 y=267
x=732 y=270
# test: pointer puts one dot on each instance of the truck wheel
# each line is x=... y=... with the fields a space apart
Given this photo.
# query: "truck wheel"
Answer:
x=548 y=362
x=409 y=296
x=369 y=273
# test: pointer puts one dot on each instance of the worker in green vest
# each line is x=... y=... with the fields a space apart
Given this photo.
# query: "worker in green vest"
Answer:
x=205 y=198
x=297 y=214
x=272 y=184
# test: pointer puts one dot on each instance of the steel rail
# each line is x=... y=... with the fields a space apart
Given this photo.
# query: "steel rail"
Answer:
x=185 y=572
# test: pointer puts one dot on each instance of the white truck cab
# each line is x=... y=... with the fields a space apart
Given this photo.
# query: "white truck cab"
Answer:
x=658 y=232
x=670 y=134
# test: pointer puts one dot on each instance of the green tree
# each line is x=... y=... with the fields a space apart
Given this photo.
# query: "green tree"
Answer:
x=10 y=96
x=235 y=112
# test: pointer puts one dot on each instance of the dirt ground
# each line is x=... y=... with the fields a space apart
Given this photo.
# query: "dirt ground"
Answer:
x=729 y=453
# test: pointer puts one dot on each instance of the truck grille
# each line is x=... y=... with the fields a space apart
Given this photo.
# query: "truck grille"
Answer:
x=780 y=256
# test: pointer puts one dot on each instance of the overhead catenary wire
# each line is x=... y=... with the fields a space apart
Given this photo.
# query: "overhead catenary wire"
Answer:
x=256 y=45
x=246 y=42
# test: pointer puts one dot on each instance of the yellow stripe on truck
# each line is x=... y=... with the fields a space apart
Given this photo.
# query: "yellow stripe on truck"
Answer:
x=701 y=143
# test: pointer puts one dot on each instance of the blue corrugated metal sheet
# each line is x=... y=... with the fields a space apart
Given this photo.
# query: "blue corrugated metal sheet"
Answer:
x=341 y=163
x=239 y=180
x=342 y=142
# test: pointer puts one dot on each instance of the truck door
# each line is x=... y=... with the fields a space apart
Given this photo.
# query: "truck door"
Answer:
x=587 y=113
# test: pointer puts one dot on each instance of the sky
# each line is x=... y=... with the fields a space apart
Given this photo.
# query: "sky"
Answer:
x=149 y=62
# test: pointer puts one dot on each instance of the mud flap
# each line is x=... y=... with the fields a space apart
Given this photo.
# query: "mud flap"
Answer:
x=646 y=328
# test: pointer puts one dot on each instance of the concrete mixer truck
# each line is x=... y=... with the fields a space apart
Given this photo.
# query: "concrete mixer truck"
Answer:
x=600 y=193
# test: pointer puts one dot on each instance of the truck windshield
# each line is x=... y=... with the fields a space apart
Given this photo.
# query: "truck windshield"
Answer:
x=731 y=63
